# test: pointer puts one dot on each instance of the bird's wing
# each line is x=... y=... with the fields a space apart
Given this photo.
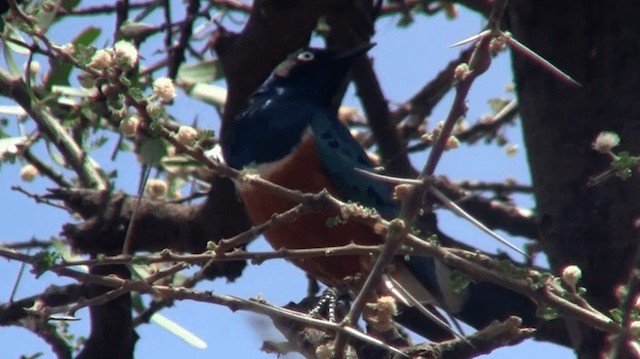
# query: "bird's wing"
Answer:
x=481 y=303
x=267 y=132
x=340 y=154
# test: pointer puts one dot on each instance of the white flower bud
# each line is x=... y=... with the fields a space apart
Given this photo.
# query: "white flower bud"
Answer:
x=125 y=54
x=571 y=275
x=452 y=143
x=164 y=89
x=461 y=72
x=157 y=188
x=102 y=59
x=186 y=135
x=605 y=142
x=129 y=126
x=28 y=173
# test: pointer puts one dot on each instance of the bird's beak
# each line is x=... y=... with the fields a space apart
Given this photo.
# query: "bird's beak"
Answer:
x=353 y=53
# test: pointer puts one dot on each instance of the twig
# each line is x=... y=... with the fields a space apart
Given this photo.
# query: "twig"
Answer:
x=628 y=304
x=31 y=243
x=45 y=170
x=104 y=9
x=37 y=198
x=498 y=187
x=81 y=162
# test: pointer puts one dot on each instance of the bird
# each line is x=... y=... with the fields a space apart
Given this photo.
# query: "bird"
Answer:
x=290 y=135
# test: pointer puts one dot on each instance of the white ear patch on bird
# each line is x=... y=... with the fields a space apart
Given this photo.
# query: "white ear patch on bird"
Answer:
x=285 y=67
x=305 y=56
x=301 y=56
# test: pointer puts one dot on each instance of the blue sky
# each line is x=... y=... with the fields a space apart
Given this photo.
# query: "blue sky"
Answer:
x=405 y=59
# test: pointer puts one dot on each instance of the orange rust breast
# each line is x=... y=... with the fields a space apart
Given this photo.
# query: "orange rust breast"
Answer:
x=303 y=171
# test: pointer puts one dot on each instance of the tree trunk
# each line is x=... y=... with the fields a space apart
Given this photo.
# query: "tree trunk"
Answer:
x=598 y=44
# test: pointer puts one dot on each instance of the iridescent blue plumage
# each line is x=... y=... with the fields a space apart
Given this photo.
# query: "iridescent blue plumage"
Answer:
x=291 y=135
x=296 y=99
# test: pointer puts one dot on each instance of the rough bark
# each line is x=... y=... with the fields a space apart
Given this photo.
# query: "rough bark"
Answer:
x=598 y=44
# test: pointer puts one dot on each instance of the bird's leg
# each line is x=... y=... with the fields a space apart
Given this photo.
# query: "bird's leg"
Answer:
x=329 y=302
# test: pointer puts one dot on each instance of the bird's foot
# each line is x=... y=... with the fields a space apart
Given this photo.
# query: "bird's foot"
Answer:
x=328 y=303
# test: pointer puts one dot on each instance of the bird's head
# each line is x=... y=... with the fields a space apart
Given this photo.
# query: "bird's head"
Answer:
x=280 y=111
x=315 y=74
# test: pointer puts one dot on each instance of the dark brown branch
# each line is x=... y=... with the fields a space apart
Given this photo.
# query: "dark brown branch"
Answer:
x=111 y=326
x=159 y=225
x=481 y=6
x=288 y=27
x=500 y=188
x=103 y=9
x=50 y=335
x=53 y=296
x=495 y=336
x=177 y=53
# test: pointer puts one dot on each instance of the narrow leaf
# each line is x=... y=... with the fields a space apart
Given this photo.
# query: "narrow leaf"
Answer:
x=8 y=57
x=69 y=5
x=44 y=18
x=11 y=33
x=202 y=72
x=60 y=70
x=179 y=331
x=152 y=151
x=213 y=95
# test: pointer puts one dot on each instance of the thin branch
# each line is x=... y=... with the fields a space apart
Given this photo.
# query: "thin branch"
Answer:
x=507 y=186
x=51 y=127
x=31 y=243
x=103 y=9
x=37 y=198
x=45 y=169
x=177 y=53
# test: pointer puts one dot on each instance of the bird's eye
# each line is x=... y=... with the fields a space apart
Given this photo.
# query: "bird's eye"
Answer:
x=306 y=56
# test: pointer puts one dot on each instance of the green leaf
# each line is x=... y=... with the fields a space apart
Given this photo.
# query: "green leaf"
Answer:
x=11 y=33
x=71 y=91
x=203 y=72
x=44 y=260
x=8 y=56
x=624 y=161
x=213 y=95
x=136 y=30
x=46 y=14
x=87 y=36
x=152 y=151
x=204 y=135
x=84 y=53
x=136 y=93
x=65 y=252
x=60 y=70
x=459 y=280
x=55 y=156
x=98 y=142
x=617 y=314
x=69 y=5
x=497 y=104
x=547 y=313
x=179 y=331
x=179 y=161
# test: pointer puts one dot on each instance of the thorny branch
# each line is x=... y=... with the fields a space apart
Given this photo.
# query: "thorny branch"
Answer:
x=398 y=235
